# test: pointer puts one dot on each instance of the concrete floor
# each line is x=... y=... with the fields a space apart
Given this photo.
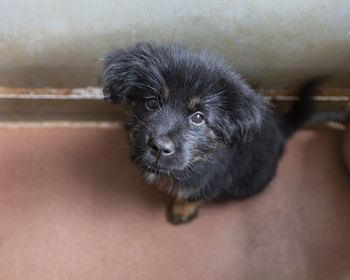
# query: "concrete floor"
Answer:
x=73 y=207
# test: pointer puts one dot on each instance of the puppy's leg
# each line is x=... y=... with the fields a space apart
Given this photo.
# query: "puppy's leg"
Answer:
x=183 y=211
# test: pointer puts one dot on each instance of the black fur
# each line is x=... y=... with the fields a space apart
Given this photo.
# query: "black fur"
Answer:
x=233 y=153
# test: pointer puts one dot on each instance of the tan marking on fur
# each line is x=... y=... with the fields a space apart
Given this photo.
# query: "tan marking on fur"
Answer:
x=212 y=134
x=132 y=132
x=196 y=159
x=166 y=92
x=185 y=208
x=128 y=113
x=194 y=102
x=213 y=145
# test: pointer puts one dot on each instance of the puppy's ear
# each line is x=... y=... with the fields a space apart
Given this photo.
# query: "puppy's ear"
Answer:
x=118 y=77
x=131 y=71
x=245 y=112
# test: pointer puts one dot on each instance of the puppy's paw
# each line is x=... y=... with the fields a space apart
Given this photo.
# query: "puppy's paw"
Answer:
x=182 y=211
x=177 y=219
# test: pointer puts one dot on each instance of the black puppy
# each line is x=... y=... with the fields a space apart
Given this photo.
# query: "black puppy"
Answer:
x=195 y=122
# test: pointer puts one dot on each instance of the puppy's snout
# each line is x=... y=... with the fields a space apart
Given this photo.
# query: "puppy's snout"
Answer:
x=162 y=146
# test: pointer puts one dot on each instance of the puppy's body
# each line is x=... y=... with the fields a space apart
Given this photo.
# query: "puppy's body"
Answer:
x=196 y=122
x=238 y=171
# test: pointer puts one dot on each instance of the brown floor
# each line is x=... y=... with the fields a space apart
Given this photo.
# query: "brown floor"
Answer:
x=73 y=207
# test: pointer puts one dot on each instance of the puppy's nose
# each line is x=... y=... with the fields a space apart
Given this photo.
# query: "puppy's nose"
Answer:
x=162 y=146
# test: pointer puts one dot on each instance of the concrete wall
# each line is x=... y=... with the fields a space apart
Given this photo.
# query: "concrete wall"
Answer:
x=273 y=43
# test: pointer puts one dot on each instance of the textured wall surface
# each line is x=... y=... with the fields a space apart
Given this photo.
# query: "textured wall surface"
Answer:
x=273 y=43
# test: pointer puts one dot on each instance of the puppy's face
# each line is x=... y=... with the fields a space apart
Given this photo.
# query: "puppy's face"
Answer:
x=184 y=106
x=169 y=131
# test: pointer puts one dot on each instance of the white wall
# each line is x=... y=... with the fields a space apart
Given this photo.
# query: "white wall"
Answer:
x=58 y=42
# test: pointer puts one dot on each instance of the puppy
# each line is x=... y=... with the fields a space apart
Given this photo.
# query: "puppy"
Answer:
x=195 y=126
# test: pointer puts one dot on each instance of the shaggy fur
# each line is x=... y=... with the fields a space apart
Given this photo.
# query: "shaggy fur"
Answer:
x=195 y=121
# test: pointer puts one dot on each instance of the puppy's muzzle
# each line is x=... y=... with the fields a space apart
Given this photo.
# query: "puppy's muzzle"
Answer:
x=162 y=146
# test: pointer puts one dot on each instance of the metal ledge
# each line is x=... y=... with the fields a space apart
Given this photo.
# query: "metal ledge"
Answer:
x=87 y=104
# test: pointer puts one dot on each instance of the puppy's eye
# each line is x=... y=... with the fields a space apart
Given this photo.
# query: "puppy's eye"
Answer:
x=151 y=103
x=197 y=118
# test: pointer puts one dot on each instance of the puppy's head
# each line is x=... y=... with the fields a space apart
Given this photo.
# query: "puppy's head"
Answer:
x=184 y=106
